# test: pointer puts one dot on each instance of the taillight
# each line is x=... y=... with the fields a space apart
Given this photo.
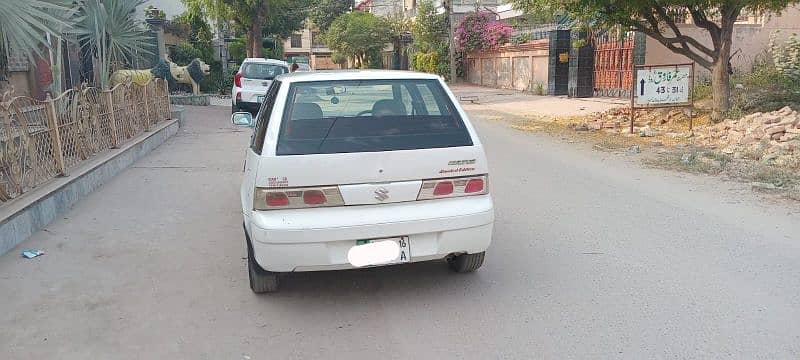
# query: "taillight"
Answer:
x=313 y=197
x=443 y=188
x=452 y=187
x=296 y=198
x=238 y=97
x=237 y=79
x=277 y=199
x=474 y=186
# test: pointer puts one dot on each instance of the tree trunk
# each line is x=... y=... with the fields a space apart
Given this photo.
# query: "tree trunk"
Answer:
x=720 y=76
x=249 y=44
x=255 y=32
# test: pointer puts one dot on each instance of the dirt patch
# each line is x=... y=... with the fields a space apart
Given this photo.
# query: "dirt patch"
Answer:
x=672 y=146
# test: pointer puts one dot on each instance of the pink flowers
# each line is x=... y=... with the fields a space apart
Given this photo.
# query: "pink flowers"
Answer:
x=480 y=31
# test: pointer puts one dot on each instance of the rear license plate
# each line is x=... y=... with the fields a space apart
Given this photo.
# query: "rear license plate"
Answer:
x=260 y=99
x=403 y=255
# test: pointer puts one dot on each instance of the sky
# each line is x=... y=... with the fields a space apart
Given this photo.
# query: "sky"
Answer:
x=171 y=7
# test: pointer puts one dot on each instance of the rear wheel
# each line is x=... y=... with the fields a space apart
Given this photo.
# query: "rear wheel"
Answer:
x=466 y=262
x=261 y=281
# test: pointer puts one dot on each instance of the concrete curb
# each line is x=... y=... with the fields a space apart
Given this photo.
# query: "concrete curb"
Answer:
x=24 y=216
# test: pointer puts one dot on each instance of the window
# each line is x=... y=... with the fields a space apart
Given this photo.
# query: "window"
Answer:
x=262 y=119
x=262 y=71
x=325 y=117
x=316 y=40
x=297 y=40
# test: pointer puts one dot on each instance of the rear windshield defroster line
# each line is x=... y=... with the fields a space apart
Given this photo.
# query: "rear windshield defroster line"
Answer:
x=327 y=117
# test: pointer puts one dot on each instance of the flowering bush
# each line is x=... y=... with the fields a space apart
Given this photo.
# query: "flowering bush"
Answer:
x=497 y=33
x=480 y=31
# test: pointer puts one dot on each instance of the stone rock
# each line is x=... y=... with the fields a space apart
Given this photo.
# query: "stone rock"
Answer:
x=656 y=143
x=582 y=127
x=648 y=132
x=634 y=149
x=785 y=111
x=595 y=125
x=687 y=158
x=775 y=129
x=793 y=131
x=770 y=119
x=776 y=136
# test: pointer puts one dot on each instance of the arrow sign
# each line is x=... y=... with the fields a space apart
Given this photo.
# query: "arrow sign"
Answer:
x=641 y=83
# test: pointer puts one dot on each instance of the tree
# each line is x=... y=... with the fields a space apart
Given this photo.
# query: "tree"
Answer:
x=359 y=36
x=255 y=18
x=480 y=31
x=326 y=11
x=23 y=23
x=289 y=17
x=431 y=40
x=246 y=16
x=656 y=19
x=110 y=32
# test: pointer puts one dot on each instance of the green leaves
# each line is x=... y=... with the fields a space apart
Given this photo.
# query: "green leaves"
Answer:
x=326 y=11
x=110 y=31
x=23 y=25
x=358 y=35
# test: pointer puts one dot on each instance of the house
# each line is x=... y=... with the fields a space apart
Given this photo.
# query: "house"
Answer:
x=306 y=47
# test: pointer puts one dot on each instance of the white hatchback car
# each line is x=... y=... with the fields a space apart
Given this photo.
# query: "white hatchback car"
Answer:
x=251 y=82
x=347 y=169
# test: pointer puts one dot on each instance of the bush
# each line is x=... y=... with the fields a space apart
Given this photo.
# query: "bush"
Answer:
x=786 y=56
x=765 y=89
x=426 y=62
x=184 y=53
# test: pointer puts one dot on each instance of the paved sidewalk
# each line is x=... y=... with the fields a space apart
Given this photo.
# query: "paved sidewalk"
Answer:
x=527 y=104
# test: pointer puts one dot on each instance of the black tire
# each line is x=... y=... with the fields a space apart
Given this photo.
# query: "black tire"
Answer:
x=466 y=262
x=261 y=281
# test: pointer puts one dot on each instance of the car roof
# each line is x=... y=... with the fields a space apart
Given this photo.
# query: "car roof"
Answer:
x=264 y=61
x=334 y=75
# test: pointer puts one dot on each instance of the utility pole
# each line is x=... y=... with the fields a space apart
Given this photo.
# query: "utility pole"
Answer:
x=448 y=8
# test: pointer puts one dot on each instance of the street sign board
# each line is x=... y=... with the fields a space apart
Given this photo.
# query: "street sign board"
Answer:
x=663 y=85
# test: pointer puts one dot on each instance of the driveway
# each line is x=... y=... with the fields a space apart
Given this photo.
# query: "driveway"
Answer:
x=593 y=257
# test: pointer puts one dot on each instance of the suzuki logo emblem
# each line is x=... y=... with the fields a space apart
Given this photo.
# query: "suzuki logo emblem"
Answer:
x=381 y=194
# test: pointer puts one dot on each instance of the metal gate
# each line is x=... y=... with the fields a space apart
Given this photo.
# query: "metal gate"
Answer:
x=613 y=63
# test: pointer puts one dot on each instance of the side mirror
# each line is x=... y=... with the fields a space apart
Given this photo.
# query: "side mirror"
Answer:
x=242 y=119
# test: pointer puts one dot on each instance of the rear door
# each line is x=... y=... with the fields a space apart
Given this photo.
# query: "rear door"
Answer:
x=257 y=77
x=254 y=151
x=377 y=140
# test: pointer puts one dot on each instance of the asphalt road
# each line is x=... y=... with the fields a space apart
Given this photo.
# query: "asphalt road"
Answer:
x=594 y=257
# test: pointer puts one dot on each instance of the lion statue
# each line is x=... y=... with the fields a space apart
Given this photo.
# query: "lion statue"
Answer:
x=193 y=74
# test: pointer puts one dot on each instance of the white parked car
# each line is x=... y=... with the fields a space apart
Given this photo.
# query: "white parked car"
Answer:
x=251 y=82
x=347 y=169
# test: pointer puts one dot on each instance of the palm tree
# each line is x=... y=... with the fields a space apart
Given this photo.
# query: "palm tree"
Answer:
x=112 y=34
x=23 y=25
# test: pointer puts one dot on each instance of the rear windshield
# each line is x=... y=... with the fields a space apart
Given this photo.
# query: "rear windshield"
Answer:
x=328 y=117
x=262 y=71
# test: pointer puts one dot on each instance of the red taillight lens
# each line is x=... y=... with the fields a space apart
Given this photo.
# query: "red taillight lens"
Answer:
x=443 y=188
x=314 y=197
x=296 y=198
x=237 y=79
x=277 y=199
x=453 y=187
x=473 y=186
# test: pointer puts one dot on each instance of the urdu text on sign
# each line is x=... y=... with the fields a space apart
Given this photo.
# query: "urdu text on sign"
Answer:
x=667 y=85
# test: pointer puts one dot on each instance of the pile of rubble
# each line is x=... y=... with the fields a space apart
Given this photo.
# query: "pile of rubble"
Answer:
x=772 y=135
x=619 y=118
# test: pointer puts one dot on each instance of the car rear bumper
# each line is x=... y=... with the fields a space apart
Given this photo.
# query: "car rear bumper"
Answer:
x=251 y=107
x=319 y=239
